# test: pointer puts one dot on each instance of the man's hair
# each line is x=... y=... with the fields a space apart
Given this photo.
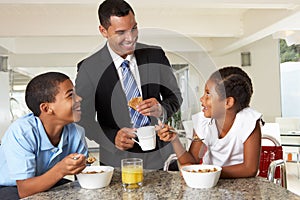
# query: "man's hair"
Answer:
x=233 y=82
x=43 y=89
x=110 y=8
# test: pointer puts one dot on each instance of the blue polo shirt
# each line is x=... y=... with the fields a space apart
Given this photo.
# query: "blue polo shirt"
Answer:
x=27 y=152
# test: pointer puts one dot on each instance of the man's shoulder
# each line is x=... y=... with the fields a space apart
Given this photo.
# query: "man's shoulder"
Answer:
x=147 y=47
x=152 y=52
x=145 y=53
x=97 y=57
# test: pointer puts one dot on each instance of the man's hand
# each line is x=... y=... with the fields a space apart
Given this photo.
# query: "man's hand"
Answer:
x=150 y=107
x=123 y=139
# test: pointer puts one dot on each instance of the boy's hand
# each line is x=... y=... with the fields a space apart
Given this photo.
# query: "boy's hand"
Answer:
x=72 y=164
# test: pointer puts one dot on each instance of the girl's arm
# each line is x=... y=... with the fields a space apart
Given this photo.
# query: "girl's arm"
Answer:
x=250 y=166
x=184 y=157
x=68 y=166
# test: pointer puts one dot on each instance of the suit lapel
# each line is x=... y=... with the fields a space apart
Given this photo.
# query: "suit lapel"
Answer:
x=142 y=62
x=110 y=95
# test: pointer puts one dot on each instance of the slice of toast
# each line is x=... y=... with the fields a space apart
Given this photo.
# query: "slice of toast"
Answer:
x=134 y=102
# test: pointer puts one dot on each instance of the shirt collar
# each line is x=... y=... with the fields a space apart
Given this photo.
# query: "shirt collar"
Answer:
x=45 y=143
x=118 y=60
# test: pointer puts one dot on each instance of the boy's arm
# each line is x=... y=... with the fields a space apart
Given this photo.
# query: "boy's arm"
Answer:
x=68 y=166
x=249 y=167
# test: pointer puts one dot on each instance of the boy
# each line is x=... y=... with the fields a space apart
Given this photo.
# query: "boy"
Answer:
x=40 y=148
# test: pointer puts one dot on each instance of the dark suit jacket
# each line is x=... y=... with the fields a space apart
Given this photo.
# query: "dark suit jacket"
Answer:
x=98 y=84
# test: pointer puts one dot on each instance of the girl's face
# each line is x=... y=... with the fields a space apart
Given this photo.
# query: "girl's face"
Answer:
x=213 y=106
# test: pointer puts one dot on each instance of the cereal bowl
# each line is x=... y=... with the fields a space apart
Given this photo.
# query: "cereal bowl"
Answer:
x=201 y=176
x=94 y=177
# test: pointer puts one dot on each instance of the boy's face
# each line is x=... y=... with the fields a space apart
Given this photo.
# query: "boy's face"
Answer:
x=66 y=107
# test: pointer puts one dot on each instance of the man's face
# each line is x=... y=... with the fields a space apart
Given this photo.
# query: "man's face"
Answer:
x=122 y=34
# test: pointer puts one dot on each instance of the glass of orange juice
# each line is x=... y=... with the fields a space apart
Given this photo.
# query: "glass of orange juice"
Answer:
x=132 y=173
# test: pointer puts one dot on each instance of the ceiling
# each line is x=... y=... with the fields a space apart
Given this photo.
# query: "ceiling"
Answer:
x=59 y=33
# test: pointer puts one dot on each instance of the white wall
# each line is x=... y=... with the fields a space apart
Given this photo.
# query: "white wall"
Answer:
x=200 y=67
x=264 y=72
x=5 y=116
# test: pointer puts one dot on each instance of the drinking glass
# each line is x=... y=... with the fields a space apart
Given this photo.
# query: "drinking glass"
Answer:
x=132 y=173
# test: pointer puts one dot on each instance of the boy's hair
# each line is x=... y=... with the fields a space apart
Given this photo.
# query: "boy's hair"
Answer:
x=110 y=8
x=43 y=88
x=233 y=82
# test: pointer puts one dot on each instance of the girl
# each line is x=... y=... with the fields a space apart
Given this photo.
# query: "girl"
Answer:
x=227 y=131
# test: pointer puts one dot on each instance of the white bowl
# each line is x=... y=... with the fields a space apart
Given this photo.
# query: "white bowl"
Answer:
x=201 y=179
x=95 y=180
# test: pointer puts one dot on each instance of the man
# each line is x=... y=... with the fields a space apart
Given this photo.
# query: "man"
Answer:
x=102 y=84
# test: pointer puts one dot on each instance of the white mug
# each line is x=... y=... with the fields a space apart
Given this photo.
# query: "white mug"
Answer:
x=147 y=137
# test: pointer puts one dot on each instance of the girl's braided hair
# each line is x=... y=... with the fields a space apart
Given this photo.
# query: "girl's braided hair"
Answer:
x=233 y=82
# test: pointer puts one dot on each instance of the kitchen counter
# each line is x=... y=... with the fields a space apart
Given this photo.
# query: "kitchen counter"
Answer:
x=170 y=185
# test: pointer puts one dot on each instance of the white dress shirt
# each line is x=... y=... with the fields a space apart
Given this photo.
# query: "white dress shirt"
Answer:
x=118 y=60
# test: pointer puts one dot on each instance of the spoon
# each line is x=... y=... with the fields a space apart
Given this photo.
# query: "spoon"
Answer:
x=76 y=157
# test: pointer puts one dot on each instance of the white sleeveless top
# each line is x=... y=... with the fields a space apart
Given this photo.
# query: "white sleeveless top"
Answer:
x=228 y=150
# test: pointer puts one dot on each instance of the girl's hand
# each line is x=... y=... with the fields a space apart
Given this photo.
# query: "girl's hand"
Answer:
x=167 y=133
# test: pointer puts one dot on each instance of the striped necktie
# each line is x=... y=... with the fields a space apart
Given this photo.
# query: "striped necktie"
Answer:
x=131 y=91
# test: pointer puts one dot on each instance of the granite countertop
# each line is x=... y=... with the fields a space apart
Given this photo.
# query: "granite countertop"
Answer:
x=170 y=185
